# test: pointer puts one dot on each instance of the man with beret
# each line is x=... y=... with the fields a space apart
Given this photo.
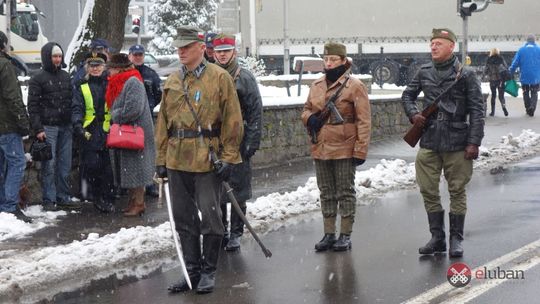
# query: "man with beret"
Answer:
x=13 y=127
x=251 y=104
x=450 y=139
x=527 y=59
x=199 y=112
x=337 y=147
x=152 y=85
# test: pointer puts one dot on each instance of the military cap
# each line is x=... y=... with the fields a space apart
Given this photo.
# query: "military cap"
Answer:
x=186 y=35
x=94 y=58
x=443 y=33
x=334 y=48
x=223 y=42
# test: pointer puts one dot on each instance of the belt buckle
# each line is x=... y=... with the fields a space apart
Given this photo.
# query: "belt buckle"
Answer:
x=180 y=133
x=440 y=116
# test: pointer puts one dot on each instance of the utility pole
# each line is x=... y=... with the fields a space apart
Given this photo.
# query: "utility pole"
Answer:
x=8 y=26
x=286 y=59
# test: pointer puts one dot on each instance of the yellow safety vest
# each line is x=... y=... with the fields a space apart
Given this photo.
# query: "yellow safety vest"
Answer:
x=90 y=113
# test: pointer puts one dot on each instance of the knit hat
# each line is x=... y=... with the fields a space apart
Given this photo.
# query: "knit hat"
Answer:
x=223 y=42
x=56 y=50
x=187 y=35
x=334 y=48
x=120 y=60
x=443 y=33
x=531 y=38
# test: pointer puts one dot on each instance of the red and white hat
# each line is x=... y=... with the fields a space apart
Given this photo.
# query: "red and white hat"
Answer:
x=223 y=42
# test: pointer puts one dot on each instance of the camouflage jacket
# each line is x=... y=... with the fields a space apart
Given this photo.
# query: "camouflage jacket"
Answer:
x=212 y=94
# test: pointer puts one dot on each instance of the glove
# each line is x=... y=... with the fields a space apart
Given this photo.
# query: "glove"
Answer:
x=418 y=120
x=357 y=161
x=161 y=171
x=224 y=171
x=471 y=152
x=78 y=131
x=315 y=123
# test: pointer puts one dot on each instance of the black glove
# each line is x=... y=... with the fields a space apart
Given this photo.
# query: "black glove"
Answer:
x=357 y=161
x=224 y=171
x=161 y=171
x=315 y=123
x=78 y=131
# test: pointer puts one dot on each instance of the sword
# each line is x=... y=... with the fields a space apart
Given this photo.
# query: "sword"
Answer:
x=163 y=185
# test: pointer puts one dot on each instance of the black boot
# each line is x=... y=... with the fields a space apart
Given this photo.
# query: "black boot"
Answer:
x=492 y=108
x=191 y=247
x=152 y=190
x=457 y=221
x=326 y=243
x=211 y=247
x=104 y=206
x=343 y=243
x=237 y=230
x=21 y=216
x=225 y=240
x=436 y=227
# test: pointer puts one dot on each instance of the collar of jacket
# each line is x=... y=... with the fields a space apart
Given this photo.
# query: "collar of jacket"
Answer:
x=197 y=71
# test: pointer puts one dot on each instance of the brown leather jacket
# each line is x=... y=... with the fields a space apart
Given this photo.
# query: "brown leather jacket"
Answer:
x=347 y=140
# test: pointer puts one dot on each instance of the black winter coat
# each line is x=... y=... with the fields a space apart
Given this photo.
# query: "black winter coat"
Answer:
x=251 y=105
x=152 y=85
x=448 y=130
x=49 y=94
x=98 y=87
x=494 y=65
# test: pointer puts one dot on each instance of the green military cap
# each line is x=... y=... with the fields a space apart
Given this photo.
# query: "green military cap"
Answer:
x=443 y=33
x=186 y=35
x=334 y=48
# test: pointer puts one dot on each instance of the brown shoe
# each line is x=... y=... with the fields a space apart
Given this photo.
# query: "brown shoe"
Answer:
x=136 y=195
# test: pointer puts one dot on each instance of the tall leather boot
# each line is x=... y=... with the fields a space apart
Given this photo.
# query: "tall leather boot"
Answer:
x=211 y=247
x=436 y=227
x=191 y=249
x=237 y=230
x=492 y=107
x=344 y=243
x=225 y=240
x=457 y=221
x=329 y=237
x=137 y=209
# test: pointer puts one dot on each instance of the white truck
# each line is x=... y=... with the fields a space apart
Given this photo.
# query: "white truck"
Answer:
x=26 y=38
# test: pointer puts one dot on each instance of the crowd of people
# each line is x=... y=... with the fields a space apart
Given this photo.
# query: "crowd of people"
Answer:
x=209 y=127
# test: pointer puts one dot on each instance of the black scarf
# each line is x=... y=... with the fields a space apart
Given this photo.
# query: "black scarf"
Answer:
x=333 y=74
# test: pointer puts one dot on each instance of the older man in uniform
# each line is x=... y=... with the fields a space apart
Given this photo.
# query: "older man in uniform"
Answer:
x=199 y=109
x=449 y=143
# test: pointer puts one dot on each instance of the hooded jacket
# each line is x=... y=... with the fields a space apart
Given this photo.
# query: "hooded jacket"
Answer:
x=527 y=59
x=49 y=93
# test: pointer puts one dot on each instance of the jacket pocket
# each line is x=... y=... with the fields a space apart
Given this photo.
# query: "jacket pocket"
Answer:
x=458 y=134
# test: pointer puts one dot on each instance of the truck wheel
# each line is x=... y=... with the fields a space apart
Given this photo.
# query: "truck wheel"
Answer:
x=385 y=72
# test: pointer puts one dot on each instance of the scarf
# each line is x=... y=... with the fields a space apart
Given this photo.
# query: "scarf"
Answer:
x=231 y=66
x=445 y=64
x=116 y=84
x=333 y=74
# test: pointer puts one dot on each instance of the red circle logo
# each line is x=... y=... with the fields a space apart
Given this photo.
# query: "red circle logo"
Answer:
x=458 y=274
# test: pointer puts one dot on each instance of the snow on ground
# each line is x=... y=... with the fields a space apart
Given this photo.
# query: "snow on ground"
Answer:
x=11 y=228
x=140 y=250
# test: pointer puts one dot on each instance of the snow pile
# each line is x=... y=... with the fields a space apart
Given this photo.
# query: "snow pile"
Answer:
x=12 y=228
x=74 y=265
x=510 y=149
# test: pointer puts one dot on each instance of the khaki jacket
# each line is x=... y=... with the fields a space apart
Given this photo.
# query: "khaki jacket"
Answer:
x=347 y=140
x=217 y=108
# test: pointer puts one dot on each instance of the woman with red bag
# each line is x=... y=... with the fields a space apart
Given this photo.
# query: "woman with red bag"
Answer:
x=126 y=97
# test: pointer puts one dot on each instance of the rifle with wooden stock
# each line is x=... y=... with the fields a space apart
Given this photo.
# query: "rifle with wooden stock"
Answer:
x=415 y=132
x=329 y=108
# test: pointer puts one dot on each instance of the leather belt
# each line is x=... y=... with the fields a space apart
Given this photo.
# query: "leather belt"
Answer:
x=449 y=117
x=187 y=133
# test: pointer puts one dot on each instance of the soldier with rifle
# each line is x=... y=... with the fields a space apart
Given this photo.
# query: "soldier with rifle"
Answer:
x=199 y=111
x=338 y=117
x=451 y=128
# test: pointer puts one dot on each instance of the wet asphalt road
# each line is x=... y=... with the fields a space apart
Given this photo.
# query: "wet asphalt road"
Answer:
x=383 y=266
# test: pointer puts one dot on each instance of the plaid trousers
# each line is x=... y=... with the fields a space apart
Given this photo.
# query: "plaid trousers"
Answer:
x=335 y=179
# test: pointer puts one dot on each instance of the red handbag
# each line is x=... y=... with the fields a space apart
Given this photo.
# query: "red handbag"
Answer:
x=125 y=137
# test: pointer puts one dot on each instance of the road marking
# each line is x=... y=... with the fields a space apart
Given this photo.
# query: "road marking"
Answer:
x=445 y=287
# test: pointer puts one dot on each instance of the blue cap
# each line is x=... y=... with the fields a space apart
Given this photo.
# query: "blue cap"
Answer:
x=136 y=49
x=99 y=43
x=208 y=39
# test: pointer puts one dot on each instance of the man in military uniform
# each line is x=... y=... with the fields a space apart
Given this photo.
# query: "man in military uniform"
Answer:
x=449 y=143
x=199 y=109
x=251 y=104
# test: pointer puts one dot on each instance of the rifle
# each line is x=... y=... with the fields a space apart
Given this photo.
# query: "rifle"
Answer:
x=329 y=108
x=415 y=132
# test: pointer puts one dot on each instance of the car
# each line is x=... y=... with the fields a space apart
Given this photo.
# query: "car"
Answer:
x=168 y=69
x=151 y=61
